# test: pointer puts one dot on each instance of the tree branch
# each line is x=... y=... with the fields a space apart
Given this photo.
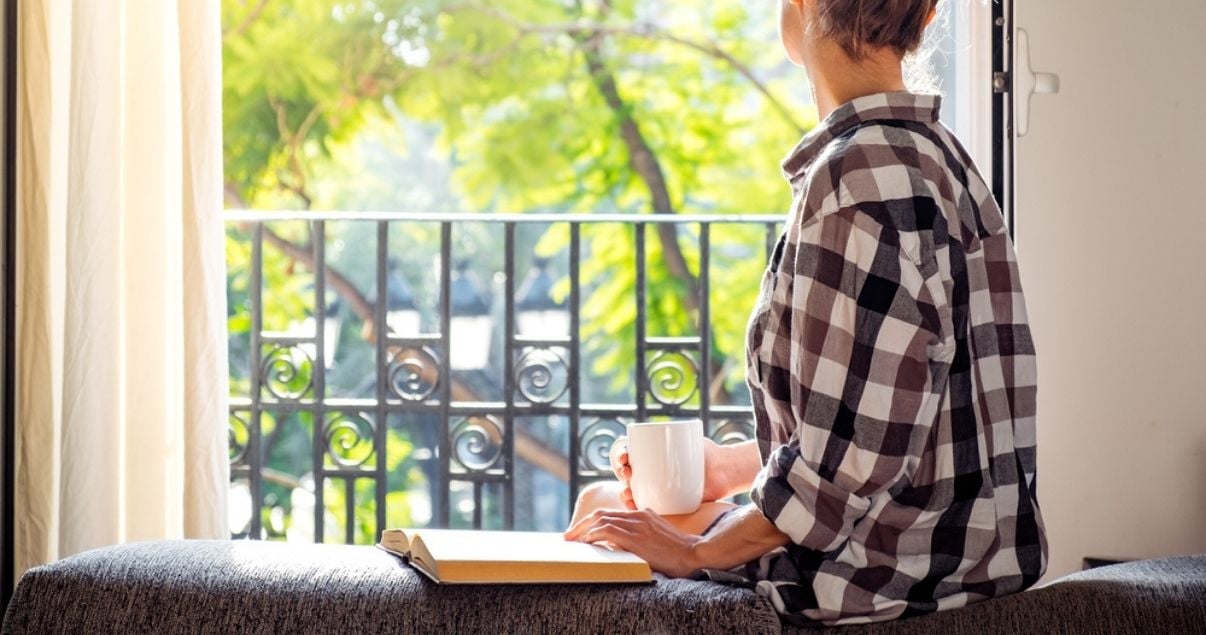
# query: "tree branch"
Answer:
x=644 y=163
x=292 y=141
x=643 y=30
x=247 y=21
x=337 y=281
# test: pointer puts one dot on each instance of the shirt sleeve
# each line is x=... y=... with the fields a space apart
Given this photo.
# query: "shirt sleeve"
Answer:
x=856 y=357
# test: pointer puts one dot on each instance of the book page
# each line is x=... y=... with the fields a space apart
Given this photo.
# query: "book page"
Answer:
x=515 y=546
x=396 y=540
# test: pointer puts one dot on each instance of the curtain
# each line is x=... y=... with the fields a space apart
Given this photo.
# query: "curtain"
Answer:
x=121 y=359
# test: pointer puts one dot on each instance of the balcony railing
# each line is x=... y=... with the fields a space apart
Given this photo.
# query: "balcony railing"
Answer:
x=467 y=396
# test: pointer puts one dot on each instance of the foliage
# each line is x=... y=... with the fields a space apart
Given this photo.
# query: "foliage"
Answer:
x=514 y=106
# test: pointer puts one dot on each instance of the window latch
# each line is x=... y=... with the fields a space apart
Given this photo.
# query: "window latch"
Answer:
x=1030 y=83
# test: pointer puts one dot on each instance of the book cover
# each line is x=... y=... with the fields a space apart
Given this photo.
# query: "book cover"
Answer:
x=452 y=556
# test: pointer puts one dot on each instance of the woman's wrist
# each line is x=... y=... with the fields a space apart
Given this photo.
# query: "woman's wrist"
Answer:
x=706 y=553
x=730 y=472
x=696 y=554
x=717 y=480
x=736 y=466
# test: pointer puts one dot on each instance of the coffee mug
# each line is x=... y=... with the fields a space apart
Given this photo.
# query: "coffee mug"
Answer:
x=667 y=459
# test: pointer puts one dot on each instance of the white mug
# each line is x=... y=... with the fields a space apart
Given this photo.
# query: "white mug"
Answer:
x=667 y=459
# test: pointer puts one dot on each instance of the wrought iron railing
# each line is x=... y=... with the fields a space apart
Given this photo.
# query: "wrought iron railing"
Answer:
x=464 y=442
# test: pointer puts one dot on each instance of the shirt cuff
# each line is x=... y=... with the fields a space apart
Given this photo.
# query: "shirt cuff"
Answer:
x=811 y=510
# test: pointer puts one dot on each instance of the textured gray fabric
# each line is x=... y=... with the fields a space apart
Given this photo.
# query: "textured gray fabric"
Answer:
x=1148 y=596
x=254 y=587
x=257 y=587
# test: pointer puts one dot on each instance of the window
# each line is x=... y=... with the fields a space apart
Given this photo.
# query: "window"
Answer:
x=578 y=203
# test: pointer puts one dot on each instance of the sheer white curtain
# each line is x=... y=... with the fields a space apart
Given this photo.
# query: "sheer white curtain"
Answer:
x=121 y=382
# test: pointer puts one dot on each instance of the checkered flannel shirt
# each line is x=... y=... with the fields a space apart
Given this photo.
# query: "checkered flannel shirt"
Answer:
x=893 y=378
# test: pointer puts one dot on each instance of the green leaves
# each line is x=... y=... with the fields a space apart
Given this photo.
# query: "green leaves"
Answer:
x=475 y=105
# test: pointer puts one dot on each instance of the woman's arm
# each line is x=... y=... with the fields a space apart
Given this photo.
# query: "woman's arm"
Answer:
x=741 y=536
x=858 y=348
x=731 y=468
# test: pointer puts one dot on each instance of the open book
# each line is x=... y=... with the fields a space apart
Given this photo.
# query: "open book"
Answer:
x=450 y=556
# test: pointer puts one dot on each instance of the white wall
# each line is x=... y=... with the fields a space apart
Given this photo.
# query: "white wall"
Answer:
x=1111 y=213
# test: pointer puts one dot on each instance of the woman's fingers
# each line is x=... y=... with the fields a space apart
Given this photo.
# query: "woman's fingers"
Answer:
x=627 y=520
x=651 y=537
x=623 y=471
x=611 y=533
x=578 y=528
x=621 y=467
x=617 y=527
x=618 y=456
x=626 y=498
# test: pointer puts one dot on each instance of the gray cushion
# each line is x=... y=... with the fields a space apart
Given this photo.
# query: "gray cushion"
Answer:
x=204 y=586
x=1147 y=596
x=250 y=587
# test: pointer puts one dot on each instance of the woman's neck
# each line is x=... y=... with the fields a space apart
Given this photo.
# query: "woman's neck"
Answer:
x=836 y=78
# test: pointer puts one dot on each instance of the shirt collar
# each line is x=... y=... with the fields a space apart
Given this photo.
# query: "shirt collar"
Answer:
x=899 y=106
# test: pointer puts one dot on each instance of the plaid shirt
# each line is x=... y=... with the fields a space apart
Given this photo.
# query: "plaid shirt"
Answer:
x=893 y=378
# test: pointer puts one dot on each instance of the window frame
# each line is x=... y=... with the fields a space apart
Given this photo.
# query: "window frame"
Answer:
x=990 y=107
x=8 y=363
x=1002 y=168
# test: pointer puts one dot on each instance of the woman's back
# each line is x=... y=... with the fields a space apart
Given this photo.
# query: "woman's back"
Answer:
x=893 y=377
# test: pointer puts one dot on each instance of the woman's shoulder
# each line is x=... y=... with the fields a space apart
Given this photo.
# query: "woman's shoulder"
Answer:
x=910 y=178
x=892 y=170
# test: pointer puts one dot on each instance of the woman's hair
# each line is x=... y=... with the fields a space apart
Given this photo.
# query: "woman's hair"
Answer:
x=858 y=25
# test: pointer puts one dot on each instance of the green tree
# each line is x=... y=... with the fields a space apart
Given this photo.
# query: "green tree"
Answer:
x=572 y=106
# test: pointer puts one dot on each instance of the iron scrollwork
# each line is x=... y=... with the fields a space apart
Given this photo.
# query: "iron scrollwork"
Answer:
x=595 y=443
x=541 y=375
x=350 y=438
x=287 y=371
x=730 y=431
x=413 y=373
x=477 y=444
x=294 y=409
x=673 y=377
x=239 y=428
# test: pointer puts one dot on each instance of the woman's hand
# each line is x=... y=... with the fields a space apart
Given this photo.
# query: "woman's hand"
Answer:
x=716 y=482
x=644 y=533
x=618 y=457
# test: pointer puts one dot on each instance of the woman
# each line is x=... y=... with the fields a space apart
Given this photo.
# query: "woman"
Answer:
x=890 y=365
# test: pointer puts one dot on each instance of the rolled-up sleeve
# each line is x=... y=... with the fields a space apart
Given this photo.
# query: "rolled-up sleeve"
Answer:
x=854 y=352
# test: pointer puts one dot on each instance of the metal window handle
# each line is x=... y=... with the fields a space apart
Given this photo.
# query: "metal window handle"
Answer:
x=1029 y=82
